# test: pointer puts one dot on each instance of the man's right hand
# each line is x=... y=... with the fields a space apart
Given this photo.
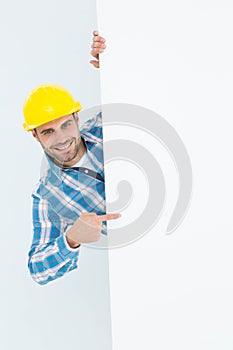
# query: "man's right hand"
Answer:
x=87 y=228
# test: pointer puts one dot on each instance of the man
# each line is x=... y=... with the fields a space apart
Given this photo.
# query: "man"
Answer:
x=69 y=200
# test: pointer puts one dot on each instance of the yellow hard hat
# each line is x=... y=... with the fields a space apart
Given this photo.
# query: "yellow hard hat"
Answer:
x=46 y=103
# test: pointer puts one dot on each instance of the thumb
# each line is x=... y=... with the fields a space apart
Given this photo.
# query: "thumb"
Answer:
x=95 y=63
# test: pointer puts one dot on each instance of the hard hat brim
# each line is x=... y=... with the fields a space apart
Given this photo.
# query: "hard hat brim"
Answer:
x=77 y=107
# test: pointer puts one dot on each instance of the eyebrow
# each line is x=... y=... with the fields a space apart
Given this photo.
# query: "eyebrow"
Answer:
x=52 y=129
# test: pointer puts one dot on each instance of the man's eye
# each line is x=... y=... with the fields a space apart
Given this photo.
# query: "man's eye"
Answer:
x=67 y=125
x=47 y=132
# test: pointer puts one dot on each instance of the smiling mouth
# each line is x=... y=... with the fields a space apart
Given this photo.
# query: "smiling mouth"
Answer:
x=64 y=147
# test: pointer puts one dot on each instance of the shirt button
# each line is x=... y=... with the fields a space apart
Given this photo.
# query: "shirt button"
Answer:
x=86 y=171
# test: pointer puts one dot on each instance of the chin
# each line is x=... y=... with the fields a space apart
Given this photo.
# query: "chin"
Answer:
x=67 y=160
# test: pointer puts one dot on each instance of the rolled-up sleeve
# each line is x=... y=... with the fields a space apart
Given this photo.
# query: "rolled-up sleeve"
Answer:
x=50 y=256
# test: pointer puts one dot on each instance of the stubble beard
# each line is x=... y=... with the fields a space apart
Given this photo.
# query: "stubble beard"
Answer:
x=62 y=160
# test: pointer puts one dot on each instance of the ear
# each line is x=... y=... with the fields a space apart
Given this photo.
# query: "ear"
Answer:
x=76 y=116
x=34 y=134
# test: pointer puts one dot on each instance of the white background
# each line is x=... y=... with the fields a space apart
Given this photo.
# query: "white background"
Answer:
x=167 y=292
x=175 y=58
x=44 y=42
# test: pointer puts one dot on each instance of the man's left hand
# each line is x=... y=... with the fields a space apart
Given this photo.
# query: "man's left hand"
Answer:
x=98 y=47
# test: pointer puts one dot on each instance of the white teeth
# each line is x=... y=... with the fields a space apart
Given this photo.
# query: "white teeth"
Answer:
x=64 y=147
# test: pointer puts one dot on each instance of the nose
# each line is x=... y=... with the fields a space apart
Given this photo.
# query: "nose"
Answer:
x=60 y=137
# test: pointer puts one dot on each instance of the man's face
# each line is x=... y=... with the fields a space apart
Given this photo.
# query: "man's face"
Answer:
x=61 y=139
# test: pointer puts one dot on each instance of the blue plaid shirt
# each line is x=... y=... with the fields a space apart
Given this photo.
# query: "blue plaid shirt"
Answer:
x=58 y=200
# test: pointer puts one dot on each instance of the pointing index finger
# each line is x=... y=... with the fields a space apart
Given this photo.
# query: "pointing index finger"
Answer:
x=106 y=217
